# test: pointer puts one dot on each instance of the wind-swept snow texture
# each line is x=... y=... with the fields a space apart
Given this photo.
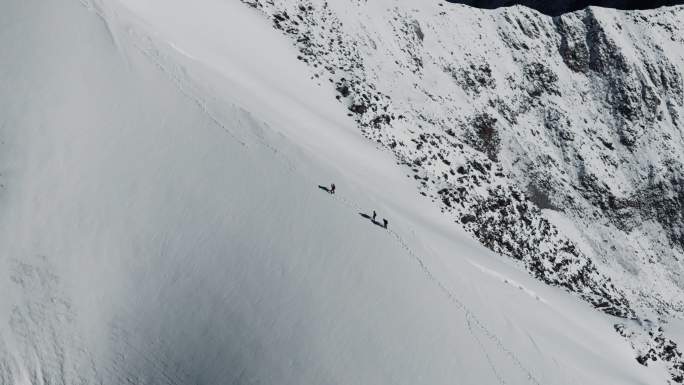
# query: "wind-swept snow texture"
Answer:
x=160 y=223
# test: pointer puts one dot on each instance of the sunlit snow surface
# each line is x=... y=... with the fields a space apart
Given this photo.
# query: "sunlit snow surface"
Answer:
x=160 y=223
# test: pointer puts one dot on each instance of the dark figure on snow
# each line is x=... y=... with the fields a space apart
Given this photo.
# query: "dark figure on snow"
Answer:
x=384 y=222
x=332 y=188
x=374 y=215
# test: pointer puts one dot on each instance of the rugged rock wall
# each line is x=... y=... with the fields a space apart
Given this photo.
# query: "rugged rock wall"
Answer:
x=556 y=141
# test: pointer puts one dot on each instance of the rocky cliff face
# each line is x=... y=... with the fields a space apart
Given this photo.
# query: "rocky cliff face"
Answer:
x=555 y=140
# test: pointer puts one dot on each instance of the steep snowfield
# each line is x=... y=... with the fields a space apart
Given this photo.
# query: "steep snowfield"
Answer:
x=160 y=223
x=554 y=141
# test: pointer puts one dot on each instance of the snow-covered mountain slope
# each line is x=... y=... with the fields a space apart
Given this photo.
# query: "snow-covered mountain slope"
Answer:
x=161 y=223
x=556 y=141
x=578 y=112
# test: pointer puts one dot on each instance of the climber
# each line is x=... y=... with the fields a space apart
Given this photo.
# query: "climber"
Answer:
x=374 y=215
x=332 y=188
x=384 y=222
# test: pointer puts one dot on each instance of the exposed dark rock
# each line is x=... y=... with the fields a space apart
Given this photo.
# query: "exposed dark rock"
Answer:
x=474 y=78
x=540 y=79
x=486 y=138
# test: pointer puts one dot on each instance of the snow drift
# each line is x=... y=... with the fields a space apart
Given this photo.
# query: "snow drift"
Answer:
x=161 y=223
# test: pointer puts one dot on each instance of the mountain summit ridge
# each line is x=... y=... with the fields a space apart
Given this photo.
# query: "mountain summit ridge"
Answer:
x=557 y=8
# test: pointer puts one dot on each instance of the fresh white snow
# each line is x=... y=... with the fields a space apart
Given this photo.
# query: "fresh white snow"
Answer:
x=160 y=223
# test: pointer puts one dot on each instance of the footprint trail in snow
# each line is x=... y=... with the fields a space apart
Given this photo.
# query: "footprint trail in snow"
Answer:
x=472 y=321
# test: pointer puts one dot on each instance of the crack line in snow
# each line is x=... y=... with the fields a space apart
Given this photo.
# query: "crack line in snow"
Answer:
x=154 y=55
x=92 y=7
x=202 y=104
x=179 y=84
